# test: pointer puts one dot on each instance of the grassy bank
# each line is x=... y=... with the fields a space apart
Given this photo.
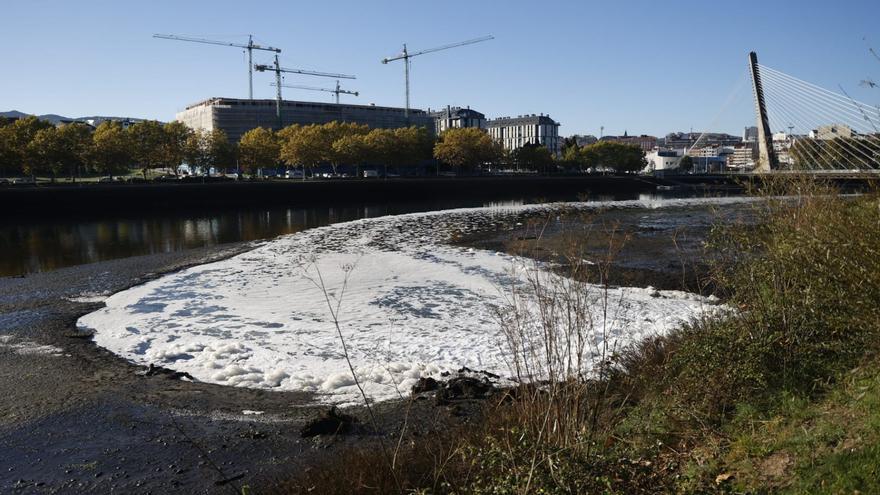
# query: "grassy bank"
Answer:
x=778 y=394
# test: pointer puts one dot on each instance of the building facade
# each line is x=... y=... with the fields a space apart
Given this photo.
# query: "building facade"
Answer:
x=833 y=131
x=663 y=159
x=690 y=139
x=456 y=118
x=750 y=135
x=516 y=132
x=237 y=116
x=645 y=142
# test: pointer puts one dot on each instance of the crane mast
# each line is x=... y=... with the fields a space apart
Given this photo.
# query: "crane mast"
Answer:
x=405 y=55
x=250 y=47
x=278 y=70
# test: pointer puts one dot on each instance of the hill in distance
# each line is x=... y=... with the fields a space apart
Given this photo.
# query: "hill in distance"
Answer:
x=55 y=119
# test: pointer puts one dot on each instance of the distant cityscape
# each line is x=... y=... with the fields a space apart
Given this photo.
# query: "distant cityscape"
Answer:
x=709 y=151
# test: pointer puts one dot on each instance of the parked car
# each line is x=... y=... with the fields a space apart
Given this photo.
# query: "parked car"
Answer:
x=293 y=174
x=24 y=181
x=369 y=174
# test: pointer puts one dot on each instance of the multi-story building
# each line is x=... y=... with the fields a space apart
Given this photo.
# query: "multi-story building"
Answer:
x=751 y=134
x=645 y=142
x=516 y=132
x=457 y=117
x=584 y=140
x=742 y=157
x=690 y=139
x=663 y=159
x=236 y=116
x=833 y=131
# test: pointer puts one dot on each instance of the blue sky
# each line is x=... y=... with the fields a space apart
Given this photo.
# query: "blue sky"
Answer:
x=639 y=66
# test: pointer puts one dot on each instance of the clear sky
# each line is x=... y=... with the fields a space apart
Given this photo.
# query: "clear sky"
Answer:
x=640 y=66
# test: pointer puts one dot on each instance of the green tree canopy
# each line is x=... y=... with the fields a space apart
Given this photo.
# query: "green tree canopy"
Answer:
x=175 y=146
x=533 y=157
x=466 y=148
x=111 y=150
x=302 y=146
x=610 y=155
x=148 y=141
x=258 y=148
x=14 y=141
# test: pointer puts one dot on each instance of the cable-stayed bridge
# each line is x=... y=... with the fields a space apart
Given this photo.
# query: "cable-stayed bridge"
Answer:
x=826 y=131
x=806 y=128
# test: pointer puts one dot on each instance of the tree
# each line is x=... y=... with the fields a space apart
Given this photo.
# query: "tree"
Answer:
x=353 y=149
x=414 y=145
x=533 y=157
x=258 y=147
x=219 y=152
x=302 y=146
x=111 y=149
x=174 y=148
x=610 y=155
x=334 y=131
x=148 y=141
x=55 y=148
x=205 y=150
x=14 y=141
x=77 y=140
x=195 y=152
x=382 y=147
x=45 y=154
x=466 y=148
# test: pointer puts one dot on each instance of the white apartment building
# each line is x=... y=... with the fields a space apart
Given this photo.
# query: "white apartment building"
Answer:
x=516 y=132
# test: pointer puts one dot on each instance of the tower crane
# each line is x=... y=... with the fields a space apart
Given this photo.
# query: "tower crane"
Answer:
x=336 y=91
x=250 y=47
x=406 y=55
x=278 y=70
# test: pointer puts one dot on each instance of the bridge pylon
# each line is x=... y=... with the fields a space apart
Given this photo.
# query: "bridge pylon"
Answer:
x=767 y=160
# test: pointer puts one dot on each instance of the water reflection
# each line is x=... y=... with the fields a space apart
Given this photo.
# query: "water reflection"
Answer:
x=42 y=245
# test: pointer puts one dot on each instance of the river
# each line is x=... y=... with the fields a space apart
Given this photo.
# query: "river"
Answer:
x=42 y=244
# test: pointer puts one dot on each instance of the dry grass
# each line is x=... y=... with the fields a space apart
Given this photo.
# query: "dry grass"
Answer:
x=658 y=415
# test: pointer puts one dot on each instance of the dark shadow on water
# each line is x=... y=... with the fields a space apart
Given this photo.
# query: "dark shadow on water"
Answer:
x=36 y=245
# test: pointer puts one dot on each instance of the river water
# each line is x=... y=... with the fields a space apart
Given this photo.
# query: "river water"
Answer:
x=44 y=244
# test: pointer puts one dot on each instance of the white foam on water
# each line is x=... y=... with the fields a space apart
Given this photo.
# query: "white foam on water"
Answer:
x=408 y=306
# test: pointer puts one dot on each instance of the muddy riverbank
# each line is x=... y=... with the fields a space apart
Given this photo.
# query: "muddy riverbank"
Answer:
x=77 y=418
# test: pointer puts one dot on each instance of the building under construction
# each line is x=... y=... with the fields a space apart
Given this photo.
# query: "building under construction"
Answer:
x=237 y=116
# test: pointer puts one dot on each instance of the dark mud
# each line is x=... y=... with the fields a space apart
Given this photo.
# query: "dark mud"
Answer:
x=664 y=248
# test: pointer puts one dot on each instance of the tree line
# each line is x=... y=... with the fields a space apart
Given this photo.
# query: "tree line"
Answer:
x=604 y=155
x=33 y=147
